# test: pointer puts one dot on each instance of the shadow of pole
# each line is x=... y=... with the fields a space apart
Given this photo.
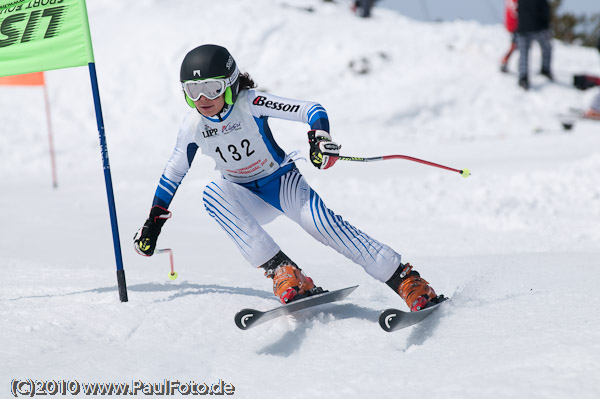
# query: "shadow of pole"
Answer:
x=179 y=290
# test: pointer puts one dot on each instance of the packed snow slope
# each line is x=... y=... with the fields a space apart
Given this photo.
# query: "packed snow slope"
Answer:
x=516 y=245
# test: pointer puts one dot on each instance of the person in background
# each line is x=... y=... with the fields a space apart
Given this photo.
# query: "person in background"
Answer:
x=533 y=24
x=511 y=23
x=594 y=111
x=363 y=8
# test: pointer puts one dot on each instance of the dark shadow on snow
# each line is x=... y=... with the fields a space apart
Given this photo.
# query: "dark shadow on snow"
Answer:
x=292 y=340
x=179 y=290
x=423 y=331
x=185 y=289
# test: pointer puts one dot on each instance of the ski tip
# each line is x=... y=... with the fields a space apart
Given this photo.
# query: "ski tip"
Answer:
x=386 y=319
x=347 y=291
x=245 y=318
x=352 y=288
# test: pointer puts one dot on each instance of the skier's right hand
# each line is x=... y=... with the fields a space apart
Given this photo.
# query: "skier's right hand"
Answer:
x=323 y=152
x=144 y=241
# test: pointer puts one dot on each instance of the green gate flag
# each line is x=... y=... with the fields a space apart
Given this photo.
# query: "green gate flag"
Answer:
x=41 y=35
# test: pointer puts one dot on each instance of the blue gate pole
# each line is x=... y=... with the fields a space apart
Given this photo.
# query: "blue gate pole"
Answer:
x=109 y=187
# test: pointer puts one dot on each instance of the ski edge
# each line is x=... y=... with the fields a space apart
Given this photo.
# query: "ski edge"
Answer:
x=247 y=318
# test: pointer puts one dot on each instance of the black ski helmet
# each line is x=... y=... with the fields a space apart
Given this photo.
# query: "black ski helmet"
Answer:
x=211 y=61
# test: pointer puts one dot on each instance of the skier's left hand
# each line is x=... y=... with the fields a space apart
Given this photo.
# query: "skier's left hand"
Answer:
x=323 y=152
x=144 y=241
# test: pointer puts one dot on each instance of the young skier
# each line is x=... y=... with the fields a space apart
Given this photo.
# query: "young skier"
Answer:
x=260 y=180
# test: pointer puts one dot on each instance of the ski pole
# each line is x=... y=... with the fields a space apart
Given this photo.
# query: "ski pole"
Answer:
x=464 y=172
x=173 y=274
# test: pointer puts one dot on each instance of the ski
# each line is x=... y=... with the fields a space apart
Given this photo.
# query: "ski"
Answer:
x=396 y=319
x=247 y=318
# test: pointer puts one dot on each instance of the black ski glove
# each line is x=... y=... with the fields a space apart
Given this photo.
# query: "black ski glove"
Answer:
x=323 y=151
x=144 y=241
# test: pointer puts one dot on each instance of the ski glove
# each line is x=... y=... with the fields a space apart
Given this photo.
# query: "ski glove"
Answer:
x=144 y=241
x=323 y=151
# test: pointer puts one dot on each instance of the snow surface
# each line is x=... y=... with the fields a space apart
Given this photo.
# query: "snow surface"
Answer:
x=516 y=245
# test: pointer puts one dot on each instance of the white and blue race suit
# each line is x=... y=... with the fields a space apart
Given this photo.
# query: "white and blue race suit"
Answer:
x=260 y=181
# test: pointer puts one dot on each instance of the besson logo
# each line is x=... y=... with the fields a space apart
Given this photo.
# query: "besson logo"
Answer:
x=260 y=100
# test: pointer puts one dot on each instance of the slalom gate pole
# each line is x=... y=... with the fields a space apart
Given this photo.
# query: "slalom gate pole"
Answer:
x=464 y=172
x=109 y=187
x=50 y=137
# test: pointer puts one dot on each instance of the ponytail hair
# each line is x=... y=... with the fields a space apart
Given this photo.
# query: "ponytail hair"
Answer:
x=246 y=81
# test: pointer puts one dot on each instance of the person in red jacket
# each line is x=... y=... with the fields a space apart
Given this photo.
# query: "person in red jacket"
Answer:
x=511 y=22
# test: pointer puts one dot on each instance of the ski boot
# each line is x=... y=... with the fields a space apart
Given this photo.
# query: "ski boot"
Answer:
x=289 y=283
x=415 y=291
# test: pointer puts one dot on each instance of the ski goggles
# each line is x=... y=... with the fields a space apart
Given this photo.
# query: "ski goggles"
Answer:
x=209 y=88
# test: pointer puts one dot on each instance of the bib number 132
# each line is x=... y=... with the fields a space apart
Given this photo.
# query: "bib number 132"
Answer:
x=233 y=151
